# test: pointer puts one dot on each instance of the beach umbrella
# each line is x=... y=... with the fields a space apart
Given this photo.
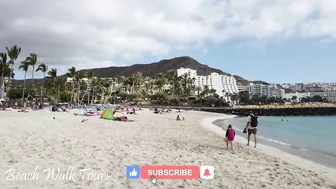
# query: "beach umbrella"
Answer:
x=107 y=114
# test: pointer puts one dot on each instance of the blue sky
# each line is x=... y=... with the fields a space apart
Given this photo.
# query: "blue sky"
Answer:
x=276 y=61
x=272 y=40
x=291 y=60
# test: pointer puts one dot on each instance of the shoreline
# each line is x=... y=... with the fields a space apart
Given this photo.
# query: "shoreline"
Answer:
x=264 y=111
x=270 y=150
x=328 y=160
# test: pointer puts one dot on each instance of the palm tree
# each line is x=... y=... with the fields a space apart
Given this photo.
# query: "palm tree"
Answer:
x=42 y=68
x=160 y=81
x=122 y=80
x=24 y=66
x=79 y=76
x=235 y=97
x=59 y=83
x=72 y=73
x=94 y=84
x=172 y=78
x=13 y=54
x=186 y=83
x=198 y=89
x=32 y=60
x=206 y=90
x=137 y=77
x=53 y=74
x=3 y=62
x=89 y=76
x=192 y=87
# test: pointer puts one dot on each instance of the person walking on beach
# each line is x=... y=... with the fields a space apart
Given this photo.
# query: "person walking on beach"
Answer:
x=251 y=126
x=229 y=136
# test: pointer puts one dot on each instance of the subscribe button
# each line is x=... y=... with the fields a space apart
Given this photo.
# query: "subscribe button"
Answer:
x=170 y=172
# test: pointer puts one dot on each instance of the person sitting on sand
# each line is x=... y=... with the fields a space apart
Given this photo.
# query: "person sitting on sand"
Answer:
x=90 y=113
x=23 y=110
x=229 y=136
x=122 y=118
x=178 y=118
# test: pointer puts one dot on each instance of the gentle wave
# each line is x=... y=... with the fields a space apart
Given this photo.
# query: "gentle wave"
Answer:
x=221 y=123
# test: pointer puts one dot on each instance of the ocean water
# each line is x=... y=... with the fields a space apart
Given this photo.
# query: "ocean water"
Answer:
x=311 y=137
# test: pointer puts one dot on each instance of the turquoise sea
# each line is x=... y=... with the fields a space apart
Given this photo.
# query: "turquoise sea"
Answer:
x=311 y=137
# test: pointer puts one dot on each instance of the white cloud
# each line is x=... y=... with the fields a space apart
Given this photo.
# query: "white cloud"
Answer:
x=86 y=33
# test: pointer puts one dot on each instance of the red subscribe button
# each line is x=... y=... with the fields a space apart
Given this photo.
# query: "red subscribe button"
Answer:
x=170 y=172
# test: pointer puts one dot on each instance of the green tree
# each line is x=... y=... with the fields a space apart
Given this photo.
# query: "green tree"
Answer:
x=13 y=54
x=317 y=98
x=172 y=79
x=24 y=66
x=60 y=82
x=32 y=61
x=79 y=77
x=53 y=75
x=4 y=67
x=42 y=68
x=89 y=76
x=65 y=96
x=160 y=80
x=72 y=74
x=15 y=93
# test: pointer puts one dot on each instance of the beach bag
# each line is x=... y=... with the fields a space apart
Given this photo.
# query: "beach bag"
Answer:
x=231 y=134
x=254 y=121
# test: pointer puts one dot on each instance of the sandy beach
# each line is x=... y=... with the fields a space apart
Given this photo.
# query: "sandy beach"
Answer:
x=35 y=141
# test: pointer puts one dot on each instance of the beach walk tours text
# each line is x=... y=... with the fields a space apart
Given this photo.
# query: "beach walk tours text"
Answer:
x=70 y=174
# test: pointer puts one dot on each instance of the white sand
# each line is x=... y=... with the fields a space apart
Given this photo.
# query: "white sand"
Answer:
x=36 y=139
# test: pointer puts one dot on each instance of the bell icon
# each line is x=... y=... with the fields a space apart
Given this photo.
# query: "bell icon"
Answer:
x=206 y=173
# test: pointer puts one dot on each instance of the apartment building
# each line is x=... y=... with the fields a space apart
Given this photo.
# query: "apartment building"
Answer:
x=328 y=95
x=223 y=84
x=298 y=95
x=266 y=90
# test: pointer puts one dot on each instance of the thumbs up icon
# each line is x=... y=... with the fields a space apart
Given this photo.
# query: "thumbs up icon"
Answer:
x=134 y=173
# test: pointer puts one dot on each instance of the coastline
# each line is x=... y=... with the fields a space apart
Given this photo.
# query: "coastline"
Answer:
x=304 y=163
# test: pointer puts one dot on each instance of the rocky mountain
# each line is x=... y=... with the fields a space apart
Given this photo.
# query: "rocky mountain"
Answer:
x=155 y=68
x=162 y=66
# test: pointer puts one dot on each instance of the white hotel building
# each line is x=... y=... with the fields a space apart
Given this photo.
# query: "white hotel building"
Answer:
x=223 y=84
x=266 y=90
x=297 y=95
x=330 y=96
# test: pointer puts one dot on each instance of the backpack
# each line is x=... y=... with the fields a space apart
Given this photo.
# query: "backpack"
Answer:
x=254 y=121
x=231 y=134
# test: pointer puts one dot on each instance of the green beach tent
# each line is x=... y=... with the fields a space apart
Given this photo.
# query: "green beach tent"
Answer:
x=107 y=114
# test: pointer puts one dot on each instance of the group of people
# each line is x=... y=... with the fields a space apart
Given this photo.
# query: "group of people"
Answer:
x=251 y=128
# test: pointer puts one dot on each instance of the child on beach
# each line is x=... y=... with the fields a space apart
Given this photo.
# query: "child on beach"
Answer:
x=229 y=136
